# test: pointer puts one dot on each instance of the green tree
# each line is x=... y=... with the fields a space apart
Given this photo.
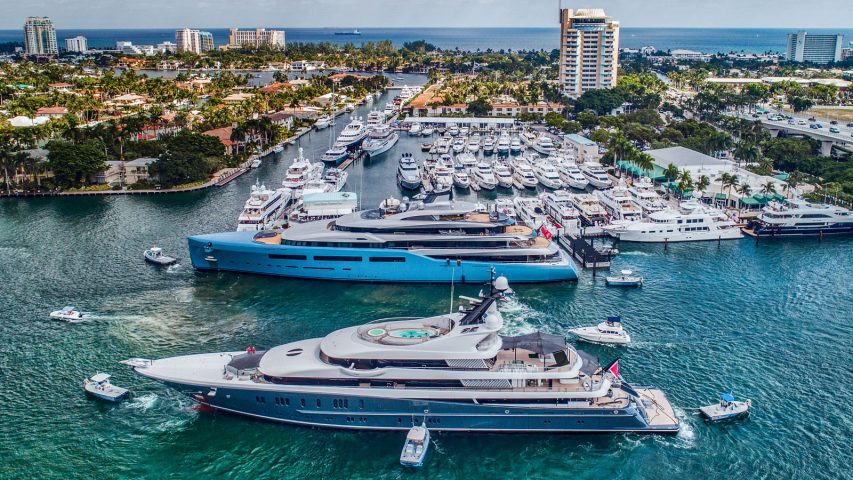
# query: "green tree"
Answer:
x=189 y=157
x=479 y=107
x=73 y=164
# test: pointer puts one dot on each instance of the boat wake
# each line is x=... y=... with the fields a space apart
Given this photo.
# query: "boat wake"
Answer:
x=516 y=315
x=635 y=254
x=175 y=268
x=142 y=402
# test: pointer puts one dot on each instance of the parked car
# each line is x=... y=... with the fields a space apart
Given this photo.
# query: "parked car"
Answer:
x=850 y=125
x=834 y=130
x=833 y=122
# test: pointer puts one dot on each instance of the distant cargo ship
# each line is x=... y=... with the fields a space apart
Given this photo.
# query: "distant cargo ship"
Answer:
x=354 y=32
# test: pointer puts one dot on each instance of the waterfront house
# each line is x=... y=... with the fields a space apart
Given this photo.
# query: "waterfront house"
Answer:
x=224 y=136
x=281 y=119
x=128 y=100
x=51 y=112
x=236 y=98
x=113 y=175
x=136 y=170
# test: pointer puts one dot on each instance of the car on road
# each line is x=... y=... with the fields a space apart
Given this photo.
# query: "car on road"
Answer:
x=801 y=122
x=812 y=119
x=792 y=122
x=814 y=126
x=755 y=115
x=834 y=130
x=833 y=122
x=850 y=125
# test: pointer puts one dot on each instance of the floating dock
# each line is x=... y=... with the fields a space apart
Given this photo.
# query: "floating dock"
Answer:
x=584 y=252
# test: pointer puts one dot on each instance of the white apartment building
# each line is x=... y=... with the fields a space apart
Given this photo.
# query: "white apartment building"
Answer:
x=805 y=47
x=76 y=44
x=40 y=37
x=191 y=40
x=258 y=37
x=589 y=50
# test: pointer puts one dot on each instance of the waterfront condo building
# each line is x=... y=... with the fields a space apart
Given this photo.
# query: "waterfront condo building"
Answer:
x=191 y=40
x=805 y=47
x=589 y=50
x=258 y=37
x=76 y=44
x=40 y=37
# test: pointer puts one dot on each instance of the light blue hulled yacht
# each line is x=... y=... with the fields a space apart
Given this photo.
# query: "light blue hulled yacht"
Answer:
x=399 y=242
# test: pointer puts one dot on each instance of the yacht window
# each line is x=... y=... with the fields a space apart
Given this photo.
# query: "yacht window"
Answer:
x=335 y=258
x=388 y=259
x=277 y=256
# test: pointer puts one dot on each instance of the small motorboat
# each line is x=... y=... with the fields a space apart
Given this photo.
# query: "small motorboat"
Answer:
x=728 y=408
x=609 y=332
x=99 y=386
x=256 y=163
x=427 y=131
x=156 y=256
x=425 y=147
x=626 y=279
x=69 y=314
x=416 y=446
x=278 y=149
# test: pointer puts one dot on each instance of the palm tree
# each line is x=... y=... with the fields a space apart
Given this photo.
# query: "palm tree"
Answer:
x=768 y=188
x=644 y=162
x=792 y=183
x=6 y=163
x=744 y=190
x=746 y=152
x=729 y=181
x=685 y=182
x=702 y=184
x=670 y=172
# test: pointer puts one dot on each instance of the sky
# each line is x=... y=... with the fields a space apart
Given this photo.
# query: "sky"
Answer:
x=422 y=13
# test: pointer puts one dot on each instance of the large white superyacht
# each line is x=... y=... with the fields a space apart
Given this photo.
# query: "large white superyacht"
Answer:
x=692 y=222
x=451 y=372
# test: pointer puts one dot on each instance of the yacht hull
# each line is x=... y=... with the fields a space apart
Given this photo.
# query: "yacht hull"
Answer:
x=375 y=151
x=636 y=236
x=765 y=230
x=356 y=412
x=238 y=252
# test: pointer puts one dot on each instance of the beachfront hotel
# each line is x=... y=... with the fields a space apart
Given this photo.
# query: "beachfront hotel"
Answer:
x=258 y=37
x=806 y=47
x=589 y=50
x=40 y=37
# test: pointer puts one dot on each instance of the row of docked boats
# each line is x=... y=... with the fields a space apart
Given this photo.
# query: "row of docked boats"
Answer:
x=305 y=184
x=457 y=140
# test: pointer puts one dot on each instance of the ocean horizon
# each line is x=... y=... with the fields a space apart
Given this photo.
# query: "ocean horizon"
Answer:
x=708 y=40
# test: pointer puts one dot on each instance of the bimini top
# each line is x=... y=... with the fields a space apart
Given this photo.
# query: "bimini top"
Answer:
x=614 y=319
x=537 y=342
x=100 y=377
x=727 y=397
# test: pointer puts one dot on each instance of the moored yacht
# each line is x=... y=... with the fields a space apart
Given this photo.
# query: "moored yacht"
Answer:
x=592 y=213
x=453 y=372
x=523 y=175
x=547 y=175
x=473 y=144
x=353 y=134
x=408 y=174
x=381 y=139
x=322 y=122
x=263 y=209
x=458 y=144
x=484 y=176
x=797 y=217
x=572 y=176
x=543 y=144
x=596 y=174
x=460 y=177
x=335 y=178
x=300 y=172
x=515 y=145
x=503 y=144
x=415 y=130
x=670 y=225
x=375 y=119
x=619 y=203
x=503 y=174
x=644 y=195
x=489 y=145
x=417 y=242
x=336 y=154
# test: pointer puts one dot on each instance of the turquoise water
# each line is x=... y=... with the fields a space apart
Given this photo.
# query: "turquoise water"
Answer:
x=769 y=322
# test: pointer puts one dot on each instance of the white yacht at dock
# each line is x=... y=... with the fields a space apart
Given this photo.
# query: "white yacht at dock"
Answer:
x=264 y=208
x=691 y=222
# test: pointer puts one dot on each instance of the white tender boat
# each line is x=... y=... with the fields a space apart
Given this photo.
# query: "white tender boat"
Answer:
x=156 y=256
x=278 y=149
x=427 y=131
x=69 y=314
x=416 y=446
x=322 y=122
x=609 y=332
x=99 y=386
x=626 y=279
x=256 y=163
x=728 y=408
x=415 y=129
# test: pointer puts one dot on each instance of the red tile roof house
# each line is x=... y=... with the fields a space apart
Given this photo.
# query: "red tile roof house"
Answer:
x=52 y=112
x=224 y=136
x=281 y=119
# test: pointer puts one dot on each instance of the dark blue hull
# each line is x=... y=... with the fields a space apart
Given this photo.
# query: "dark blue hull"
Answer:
x=365 y=413
x=764 y=230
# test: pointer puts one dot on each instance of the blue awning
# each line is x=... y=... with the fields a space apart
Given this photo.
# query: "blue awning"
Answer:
x=614 y=319
x=727 y=397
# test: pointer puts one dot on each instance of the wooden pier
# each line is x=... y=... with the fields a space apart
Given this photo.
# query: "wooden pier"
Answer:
x=584 y=252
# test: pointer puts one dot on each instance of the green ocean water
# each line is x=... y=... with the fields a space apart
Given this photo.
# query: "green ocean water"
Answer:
x=769 y=322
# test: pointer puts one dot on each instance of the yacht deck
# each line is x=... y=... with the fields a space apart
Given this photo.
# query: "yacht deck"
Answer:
x=269 y=240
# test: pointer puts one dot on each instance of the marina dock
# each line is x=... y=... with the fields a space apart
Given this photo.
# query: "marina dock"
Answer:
x=584 y=252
